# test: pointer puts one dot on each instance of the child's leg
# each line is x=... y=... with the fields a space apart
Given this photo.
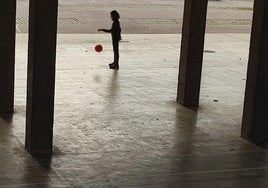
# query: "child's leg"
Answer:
x=116 y=52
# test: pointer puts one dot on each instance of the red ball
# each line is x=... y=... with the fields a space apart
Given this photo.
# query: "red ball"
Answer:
x=98 y=48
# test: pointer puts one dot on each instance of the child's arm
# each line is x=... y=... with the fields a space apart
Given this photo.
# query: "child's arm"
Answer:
x=105 y=30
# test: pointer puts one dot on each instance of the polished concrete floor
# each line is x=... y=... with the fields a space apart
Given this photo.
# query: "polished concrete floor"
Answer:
x=124 y=129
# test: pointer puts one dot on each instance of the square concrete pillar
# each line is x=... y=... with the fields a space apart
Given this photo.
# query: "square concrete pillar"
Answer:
x=7 y=54
x=192 y=47
x=41 y=76
x=255 y=114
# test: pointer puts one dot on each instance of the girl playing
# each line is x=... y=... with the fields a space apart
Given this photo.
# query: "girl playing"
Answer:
x=116 y=37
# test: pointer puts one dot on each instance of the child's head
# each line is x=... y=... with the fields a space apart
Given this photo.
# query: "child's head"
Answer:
x=115 y=15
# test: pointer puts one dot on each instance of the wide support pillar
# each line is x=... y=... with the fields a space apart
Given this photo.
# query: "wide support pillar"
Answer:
x=7 y=54
x=255 y=114
x=192 y=47
x=41 y=76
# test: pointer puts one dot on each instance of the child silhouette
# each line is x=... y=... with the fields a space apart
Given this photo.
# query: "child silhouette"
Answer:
x=116 y=37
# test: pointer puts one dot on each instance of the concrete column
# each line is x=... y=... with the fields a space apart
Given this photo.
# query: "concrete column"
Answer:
x=255 y=114
x=192 y=46
x=7 y=54
x=41 y=76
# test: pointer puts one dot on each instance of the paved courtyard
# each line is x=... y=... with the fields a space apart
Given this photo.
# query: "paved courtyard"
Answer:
x=140 y=16
x=118 y=129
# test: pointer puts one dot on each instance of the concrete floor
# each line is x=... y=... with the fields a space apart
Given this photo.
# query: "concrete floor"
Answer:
x=143 y=16
x=124 y=129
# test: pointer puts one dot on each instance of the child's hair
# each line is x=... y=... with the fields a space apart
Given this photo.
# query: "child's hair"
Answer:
x=115 y=15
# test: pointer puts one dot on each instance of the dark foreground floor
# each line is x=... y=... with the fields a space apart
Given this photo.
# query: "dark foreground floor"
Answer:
x=123 y=128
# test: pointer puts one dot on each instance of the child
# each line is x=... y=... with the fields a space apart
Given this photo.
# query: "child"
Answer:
x=116 y=37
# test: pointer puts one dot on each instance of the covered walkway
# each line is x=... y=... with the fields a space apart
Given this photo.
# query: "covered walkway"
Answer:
x=124 y=128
